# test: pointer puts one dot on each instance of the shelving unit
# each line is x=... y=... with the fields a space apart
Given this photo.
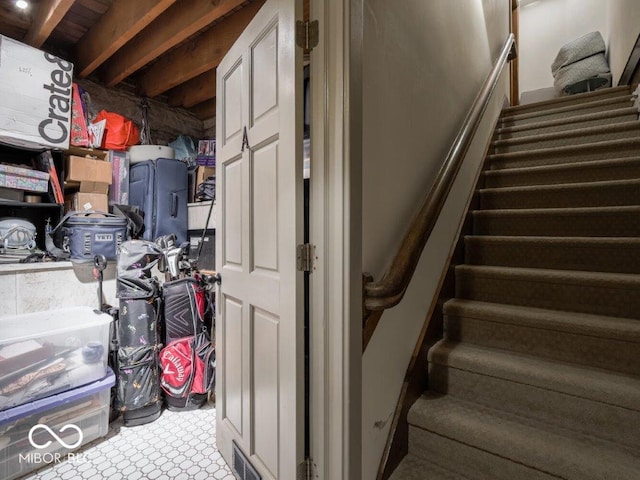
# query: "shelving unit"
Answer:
x=36 y=213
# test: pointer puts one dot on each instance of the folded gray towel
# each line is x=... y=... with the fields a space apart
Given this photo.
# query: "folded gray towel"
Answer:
x=578 y=49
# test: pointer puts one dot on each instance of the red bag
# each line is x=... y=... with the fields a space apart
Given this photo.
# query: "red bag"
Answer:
x=188 y=371
x=120 y=132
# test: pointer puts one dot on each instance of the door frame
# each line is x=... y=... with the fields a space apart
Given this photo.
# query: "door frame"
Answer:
x=514 y=27
x=336 y=231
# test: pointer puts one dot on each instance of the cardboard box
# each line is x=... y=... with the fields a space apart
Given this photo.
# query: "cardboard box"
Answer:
x=202 y=173
x=88 y=175
x=119 y=191
x=12 y=176
x=94 y=153
x=35 y=110
x=82 y=202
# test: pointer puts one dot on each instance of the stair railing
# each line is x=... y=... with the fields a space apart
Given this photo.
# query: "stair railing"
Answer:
x=388 y=291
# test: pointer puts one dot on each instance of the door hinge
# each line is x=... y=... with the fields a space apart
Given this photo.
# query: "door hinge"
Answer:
x=307 y=470
x=307 y=34
x=306 y=257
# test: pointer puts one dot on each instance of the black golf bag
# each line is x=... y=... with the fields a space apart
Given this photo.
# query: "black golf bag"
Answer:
x=188 y=358
x=138 y=394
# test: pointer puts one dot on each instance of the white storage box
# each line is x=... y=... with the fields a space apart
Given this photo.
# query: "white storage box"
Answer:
x=49 y=352
x=35 y=97
x=197 y=214
x=49 y=430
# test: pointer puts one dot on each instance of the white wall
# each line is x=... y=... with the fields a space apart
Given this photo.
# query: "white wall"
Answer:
x=423 y=64
x=624 y=27
x=36 y=287
x=545 y=26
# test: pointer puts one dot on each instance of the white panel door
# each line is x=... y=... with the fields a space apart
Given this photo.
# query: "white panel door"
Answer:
x=259 y=323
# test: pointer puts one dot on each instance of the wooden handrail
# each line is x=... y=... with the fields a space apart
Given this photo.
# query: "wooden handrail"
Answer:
x=388 y=292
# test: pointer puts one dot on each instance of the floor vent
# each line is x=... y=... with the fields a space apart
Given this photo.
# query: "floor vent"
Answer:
x=242 y=467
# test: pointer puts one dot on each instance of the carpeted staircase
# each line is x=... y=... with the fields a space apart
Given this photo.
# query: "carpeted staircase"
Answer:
x=538 y=376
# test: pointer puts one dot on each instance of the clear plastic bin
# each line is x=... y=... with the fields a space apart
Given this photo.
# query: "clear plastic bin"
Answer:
x=49 y=352
x=51 y=429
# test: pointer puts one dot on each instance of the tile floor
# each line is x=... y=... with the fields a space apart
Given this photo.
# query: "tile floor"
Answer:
x=144 y=452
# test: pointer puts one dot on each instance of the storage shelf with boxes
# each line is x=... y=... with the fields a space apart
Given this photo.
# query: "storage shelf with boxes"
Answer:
x=89 y=175
x=35 y=106
x=26 y=195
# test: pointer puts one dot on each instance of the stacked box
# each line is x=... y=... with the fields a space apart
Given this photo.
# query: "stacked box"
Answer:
x=83 y=202
x=23 y=178
x=92 y=177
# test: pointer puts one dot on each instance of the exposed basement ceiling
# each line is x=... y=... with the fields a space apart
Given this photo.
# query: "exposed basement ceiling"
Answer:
x=163 y=48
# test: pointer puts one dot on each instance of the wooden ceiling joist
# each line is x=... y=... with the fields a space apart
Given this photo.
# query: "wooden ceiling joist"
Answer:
x=205 y=110
x=196 y=56
x=118 y=25
x=176 y=24
x=195 y=91
x=49 y=14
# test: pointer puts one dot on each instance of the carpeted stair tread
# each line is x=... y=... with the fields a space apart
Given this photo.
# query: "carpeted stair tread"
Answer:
x=586 y=194
x=538 y=374
x=585 y=400
x=593 y=106
x=620 y=221
x=600 y=326
x=416 y=468
x=610 y=294
x=550 y=334
x=577 y=136
x=568 y=100
x=469 y=461
x=574 y=172
x=617 y=115
x=625 y=147
x=552 y=450
x=598 y=254
x=601 y=386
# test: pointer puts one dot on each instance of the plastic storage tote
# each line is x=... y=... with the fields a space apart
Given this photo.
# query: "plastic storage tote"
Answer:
x=51 y=429
x=50 y=352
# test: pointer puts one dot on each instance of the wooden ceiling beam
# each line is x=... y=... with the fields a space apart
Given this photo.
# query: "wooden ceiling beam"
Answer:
x=196 y=90
x=49 y=14
x=183 y=19
x=205 y=109
x=196 y=56
x=124 y=20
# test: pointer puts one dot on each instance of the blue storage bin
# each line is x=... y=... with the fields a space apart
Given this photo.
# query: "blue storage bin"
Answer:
x=51 y=429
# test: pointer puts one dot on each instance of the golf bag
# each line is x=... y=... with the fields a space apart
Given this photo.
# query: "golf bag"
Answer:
x=188 y=359
x=138 y=393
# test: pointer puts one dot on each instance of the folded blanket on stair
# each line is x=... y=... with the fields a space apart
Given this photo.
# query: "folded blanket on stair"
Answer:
x=579 y=60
